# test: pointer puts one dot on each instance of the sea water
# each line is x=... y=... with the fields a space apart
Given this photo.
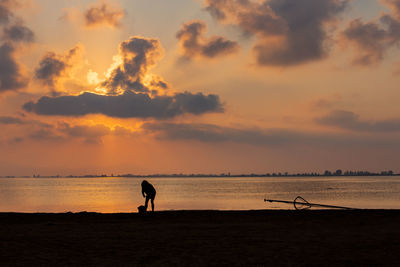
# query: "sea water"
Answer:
x=229 y=193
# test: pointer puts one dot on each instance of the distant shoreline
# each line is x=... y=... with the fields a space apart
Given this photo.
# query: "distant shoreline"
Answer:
x=205 y=176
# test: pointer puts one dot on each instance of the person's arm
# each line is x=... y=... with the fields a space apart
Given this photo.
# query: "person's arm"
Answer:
x=143 y=192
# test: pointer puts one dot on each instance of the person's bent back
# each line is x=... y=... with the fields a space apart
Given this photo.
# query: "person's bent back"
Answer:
x=149 y=192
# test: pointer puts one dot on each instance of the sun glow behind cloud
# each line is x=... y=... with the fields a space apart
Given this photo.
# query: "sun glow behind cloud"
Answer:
x=93 y=77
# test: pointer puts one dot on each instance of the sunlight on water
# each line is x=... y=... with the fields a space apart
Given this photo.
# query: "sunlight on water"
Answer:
x=124 y=194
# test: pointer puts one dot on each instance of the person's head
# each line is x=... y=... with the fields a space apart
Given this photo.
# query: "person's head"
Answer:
x=144 y=183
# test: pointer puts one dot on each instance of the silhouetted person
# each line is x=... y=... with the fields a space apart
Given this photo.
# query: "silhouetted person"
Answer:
x=148 y=192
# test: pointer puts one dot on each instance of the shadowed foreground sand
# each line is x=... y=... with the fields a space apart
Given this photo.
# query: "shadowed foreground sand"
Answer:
x=198 y=238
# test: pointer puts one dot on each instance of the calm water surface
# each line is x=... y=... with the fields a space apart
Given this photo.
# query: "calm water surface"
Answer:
x=124 y=194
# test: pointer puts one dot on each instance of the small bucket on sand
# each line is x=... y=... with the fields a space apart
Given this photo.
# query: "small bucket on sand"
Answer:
x=141 y=209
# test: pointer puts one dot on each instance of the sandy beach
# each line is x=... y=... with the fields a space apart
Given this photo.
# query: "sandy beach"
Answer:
x=202 y=238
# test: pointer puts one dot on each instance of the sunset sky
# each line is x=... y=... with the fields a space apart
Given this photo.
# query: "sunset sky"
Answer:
x=199 y=86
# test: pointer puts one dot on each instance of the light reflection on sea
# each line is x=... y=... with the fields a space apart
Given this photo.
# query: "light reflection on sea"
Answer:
x=124 y=194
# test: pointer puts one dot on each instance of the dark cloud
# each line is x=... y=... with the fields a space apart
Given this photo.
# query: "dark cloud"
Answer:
x=289 y=32
x=127 y=105
x=196 y=103
x=53 y=66
x=137 y=54
x=194 y=43
x=350 y=121
x=103 y=15
x=11 y=77
x=18 y=33
x=10 y=120
x=372 y=39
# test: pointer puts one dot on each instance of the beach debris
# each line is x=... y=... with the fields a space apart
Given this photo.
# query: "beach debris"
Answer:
x=300 y=203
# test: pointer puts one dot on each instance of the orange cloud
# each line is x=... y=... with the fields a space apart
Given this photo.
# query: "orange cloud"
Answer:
x=54 y=67
x=103 y=14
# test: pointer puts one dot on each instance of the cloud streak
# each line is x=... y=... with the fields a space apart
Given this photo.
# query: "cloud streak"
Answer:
x=10 y=120
x=351 y=121
x=214 y=134
x=62 y=131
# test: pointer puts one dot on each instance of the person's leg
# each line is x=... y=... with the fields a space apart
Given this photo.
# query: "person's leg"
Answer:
x=152 y=204
x=147 y=202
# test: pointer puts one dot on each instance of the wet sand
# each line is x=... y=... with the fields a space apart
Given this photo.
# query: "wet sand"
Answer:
x=202 y=238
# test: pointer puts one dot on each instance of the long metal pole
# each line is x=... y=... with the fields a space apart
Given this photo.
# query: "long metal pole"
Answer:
x=308 y=204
